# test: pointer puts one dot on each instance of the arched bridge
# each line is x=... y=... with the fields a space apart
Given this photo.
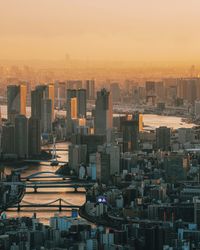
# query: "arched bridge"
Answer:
x=43 y=175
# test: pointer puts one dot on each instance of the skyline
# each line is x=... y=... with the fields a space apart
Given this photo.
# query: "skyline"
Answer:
x=157 y=31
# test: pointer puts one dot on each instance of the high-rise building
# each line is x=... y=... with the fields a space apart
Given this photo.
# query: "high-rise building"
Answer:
x=21 y=136
x=16 y=101
x=73 y=107
x=103 y=112
x=114 y=152
x=36 y=103
x=71 y=93
x=92 y=142
x=82 y=102
x=8 y=139
x=34 y=137
x=46 y=120
x=163 y=135
x=60 y=91
x=103 y=167
x=114 y=155
x=80 y=96
x=90 y=89
x=77 y=156
x=41 y=92
x=130 y=127
x=50 y=94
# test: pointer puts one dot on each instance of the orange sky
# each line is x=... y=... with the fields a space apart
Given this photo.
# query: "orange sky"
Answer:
x=136 y=30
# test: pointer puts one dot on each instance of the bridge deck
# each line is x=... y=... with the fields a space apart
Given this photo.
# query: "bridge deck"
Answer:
x=43 y=206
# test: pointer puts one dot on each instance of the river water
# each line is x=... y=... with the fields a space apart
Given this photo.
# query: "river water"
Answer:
x=46 y=195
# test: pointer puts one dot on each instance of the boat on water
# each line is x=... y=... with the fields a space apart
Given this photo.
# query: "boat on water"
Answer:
x=12 y=190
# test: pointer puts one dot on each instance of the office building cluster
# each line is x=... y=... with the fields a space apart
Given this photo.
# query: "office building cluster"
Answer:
x=31 y=116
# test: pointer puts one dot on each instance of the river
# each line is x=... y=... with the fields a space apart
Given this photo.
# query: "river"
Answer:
x=151 y=121
x=46 y=195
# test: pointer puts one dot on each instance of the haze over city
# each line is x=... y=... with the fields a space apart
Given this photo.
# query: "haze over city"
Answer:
x=135 y=31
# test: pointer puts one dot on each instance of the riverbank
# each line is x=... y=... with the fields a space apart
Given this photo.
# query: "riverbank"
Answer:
x=102 y=221
x=15 y=162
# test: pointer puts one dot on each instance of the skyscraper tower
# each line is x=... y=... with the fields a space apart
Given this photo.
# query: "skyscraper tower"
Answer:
x=21 y=136
x=36 y=103
x=50 y=94
x=34 y=137
x=16 y=101
x=103 y=112
x=46 y=121
x=80 y=96
x=8 y=139
x=81 y=99
x=41 y=92
x=71 y=93
x=130 y=125
x=90 y=89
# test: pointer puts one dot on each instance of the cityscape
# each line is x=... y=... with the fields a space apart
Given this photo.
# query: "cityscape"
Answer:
x=99 y=125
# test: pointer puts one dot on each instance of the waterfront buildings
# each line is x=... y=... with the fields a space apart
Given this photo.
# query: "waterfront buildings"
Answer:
x=34 y=137
x=46 y=116
x=8 y=139
x=21 y=136
x=77 y=156
x=22 y=139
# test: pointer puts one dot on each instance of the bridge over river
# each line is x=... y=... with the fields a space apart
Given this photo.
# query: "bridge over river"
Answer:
x=36 y=181
x=60 y=204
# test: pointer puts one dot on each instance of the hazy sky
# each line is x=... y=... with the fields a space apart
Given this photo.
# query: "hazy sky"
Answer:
x=136 y=30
